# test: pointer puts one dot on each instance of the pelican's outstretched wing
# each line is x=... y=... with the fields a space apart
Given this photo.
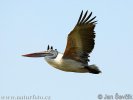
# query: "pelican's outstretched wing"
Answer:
x=81 y=39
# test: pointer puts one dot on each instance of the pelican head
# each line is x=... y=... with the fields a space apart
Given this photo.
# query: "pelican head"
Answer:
x=50 y=53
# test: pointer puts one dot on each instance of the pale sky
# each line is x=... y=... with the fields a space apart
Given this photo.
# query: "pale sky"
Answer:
x=28 y=26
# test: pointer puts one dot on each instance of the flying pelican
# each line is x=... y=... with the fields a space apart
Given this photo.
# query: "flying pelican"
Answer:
x=80 y=44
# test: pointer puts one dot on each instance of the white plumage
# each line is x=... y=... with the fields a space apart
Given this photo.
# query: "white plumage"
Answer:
x=66 y=64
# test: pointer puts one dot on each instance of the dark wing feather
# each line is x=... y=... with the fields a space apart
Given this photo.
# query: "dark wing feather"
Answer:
x=81 y=39
x=80 y=17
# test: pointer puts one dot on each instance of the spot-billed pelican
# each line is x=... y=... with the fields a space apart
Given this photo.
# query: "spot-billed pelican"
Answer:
x=80 y=44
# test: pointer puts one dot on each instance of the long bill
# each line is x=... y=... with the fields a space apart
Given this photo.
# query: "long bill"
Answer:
x=38 y=54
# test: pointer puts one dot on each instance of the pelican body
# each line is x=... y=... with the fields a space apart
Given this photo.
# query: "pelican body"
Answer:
x=66 y=64
x=80 y=44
